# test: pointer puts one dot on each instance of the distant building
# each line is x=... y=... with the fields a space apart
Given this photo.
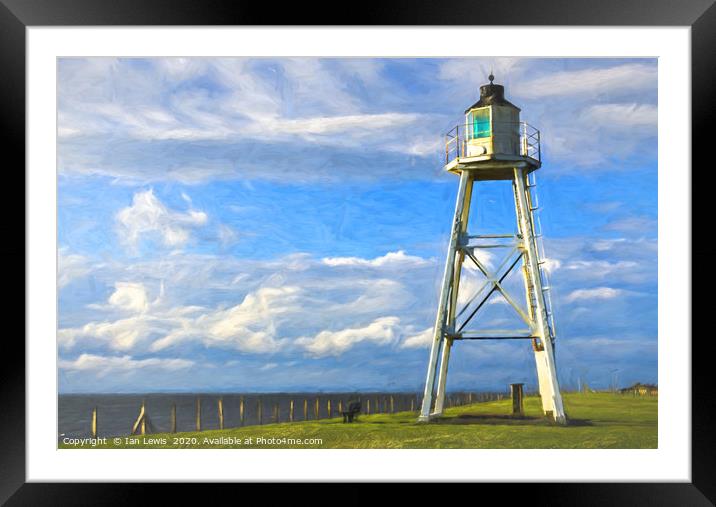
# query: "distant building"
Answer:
x=641 y=389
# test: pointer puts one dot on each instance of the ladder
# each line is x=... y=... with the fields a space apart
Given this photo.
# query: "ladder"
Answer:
x=533 y=203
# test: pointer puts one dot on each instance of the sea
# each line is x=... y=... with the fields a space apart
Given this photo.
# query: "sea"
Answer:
x=117 y=413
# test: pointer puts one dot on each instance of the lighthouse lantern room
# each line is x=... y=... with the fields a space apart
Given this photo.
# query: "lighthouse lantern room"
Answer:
x=492 y=132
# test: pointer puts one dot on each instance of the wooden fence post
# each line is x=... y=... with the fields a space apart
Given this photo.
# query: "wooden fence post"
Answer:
x=317 y=409
x=241 y=411
x=367 y=407
x=276 y=416
x=412 y=404
x=290 y=412
x=260 y=411
x=94 y=422
x=173 y=418
x=198 y=413
x=340 y=406
x=328 y=408
x=305 y=409
x=221 y=413
x=392 y=404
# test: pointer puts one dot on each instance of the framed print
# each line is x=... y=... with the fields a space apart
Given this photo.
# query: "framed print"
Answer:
x=256 y=249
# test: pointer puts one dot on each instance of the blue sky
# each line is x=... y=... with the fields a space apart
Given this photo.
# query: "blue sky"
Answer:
x=281 y=224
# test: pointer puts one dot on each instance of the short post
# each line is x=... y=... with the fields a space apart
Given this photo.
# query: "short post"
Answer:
x=290 y=411
x=340 y=406
x=260 y=411
x=412 y=404
x=305 y=410
x=317 y=408
x=198 y=413
x=221 y=413
x=517 y=403
x=173 y=418
x=275 y=413
x=392 y=404
x=241 y=411
x=367 y=406
x=328 y=408
x=94 y=422
x=377 y=406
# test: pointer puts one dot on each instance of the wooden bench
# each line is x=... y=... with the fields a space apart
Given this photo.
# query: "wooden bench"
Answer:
x=352 y=412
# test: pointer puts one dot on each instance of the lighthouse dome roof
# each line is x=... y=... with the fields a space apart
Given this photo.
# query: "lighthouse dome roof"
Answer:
x=492 y=95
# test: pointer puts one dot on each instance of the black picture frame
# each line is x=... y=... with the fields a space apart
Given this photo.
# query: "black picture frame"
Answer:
x=17 y=15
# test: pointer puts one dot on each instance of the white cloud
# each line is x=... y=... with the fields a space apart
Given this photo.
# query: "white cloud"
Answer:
x=250 y=326
x=399 y=258
x=368 y=296
x=249 y=105
x=146 y=319
x=227 y=235
x=551 y=265
x=641 y=224
x=469 y=285
x=623 y=78
x=267 y=306
x=475 y=71
x=599 y=269
x=129 y=296
x=358 y=125
x=122 y=334
x=420 y=340
x=596 y=293
x=70 y=267
x=148 y=215
x=604 y=245
x=108 y=107
x=484 y=257
x=626 y=116
x=107 y=364
x=381 y=331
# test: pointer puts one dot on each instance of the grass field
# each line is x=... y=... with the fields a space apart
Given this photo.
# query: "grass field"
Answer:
x=597 y=421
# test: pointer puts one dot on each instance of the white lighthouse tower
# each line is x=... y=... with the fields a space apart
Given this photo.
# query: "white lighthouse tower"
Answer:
x=492 y=144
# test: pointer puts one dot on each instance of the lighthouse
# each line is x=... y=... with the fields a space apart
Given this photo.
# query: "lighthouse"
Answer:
x=492 y=143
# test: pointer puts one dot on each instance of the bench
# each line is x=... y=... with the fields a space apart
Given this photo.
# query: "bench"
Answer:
x=352 y=412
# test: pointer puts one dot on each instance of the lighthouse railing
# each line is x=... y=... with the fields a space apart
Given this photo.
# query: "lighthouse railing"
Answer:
x=458 y=137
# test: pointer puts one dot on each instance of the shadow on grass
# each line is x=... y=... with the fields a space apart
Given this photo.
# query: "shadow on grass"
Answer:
x=512 y=420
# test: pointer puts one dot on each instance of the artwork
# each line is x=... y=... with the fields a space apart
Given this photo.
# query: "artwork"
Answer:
x=357 y=253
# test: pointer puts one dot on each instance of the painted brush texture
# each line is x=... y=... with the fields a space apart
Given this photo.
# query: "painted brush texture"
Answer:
x=281 y=224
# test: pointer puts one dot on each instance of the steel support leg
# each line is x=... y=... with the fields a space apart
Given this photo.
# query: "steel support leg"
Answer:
x=452 y=308
x=546 y=370
x=444 y=302
x=442 y=378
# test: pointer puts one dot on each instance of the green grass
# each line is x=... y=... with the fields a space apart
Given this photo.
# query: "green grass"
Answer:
x=597 y=421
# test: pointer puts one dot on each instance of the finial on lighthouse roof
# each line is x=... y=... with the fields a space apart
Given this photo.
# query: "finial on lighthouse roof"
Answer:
x=491 y=95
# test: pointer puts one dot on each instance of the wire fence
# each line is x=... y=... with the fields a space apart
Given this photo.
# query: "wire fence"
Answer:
x=211 y=412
